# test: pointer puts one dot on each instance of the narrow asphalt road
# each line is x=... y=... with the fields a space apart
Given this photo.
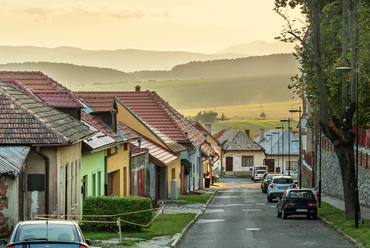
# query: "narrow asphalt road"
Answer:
x=239 y=215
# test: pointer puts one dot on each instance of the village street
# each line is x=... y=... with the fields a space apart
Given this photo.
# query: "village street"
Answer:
x=239 y=215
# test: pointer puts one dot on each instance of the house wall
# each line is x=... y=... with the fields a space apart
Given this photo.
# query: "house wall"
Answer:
x=217 y=164
x=92 y=164
x=34 y=200
x=258 y=156
x=141 y=162
x=283 y=160
x=174 y=171
x=9 y=203
x=192 y=180
x=119 y=166
x=69 y=168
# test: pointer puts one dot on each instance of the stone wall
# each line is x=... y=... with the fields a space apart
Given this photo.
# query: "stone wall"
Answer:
x=331 y=178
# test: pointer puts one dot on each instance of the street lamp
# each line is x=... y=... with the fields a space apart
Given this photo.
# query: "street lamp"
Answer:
x=300 y=143
x=356 y=70
x=288 y=120
x=282 y=152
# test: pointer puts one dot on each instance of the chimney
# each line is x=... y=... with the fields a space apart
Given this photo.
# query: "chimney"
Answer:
x=247 y=132
x=137 y=88
x=262 y=134
x=208 y=128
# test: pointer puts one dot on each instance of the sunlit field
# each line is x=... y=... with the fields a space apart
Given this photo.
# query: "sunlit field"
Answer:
x=237 y=97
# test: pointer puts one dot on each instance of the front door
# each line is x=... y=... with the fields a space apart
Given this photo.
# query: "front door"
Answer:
x=229 y=164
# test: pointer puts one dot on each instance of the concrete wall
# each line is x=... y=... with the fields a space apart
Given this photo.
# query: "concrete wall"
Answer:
x=238 y=169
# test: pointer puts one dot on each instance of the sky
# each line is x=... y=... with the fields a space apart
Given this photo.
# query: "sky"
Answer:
x=205 y=26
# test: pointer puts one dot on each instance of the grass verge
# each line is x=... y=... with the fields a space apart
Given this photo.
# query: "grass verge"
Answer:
x=338 y=218
x=173 y=223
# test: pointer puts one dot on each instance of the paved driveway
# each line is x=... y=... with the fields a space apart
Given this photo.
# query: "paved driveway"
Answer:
x=240 y=216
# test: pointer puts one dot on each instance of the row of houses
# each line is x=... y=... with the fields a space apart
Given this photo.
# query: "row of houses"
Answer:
x=58 y=147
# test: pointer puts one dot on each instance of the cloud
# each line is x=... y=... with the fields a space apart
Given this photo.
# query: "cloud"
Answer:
x=49 y=12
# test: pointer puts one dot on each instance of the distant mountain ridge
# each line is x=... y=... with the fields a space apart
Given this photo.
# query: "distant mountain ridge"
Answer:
x=131 y=60
x=70 y=74
x=259 y=48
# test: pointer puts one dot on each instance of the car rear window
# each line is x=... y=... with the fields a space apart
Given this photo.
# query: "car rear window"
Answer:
x=50 y=233
x=282 y=180
x=301 y=194
x=261 y=172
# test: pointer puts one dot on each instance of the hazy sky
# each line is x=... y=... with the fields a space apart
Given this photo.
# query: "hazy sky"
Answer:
x=203 y=26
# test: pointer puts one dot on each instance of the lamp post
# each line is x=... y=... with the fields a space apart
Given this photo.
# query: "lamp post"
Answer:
x=288 y=120
x=282 y=152
x=356 y=70
x=300 y=143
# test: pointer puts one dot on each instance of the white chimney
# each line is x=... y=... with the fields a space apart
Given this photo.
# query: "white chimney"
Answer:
x=262 y=134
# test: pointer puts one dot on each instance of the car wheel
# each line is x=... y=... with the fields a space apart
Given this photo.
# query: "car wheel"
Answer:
x=308 y=216
x=269 y=198
x=278 y=214
x=284 y=214
x=314 y=216
x=264 y=191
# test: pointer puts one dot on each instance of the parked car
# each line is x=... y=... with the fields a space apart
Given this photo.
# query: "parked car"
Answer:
x=255 y=168
x=266 y=182
x=258 y=175
x=47 y=233
x=293 y=173
x=263 y=178
x=278 y=185
x=297 y=202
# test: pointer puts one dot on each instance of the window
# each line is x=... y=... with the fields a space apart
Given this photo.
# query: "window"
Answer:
x=293 y=165
x=247 y=161
x=94 y=184
x=99 y=183
x=173 y=174
x=125 y=146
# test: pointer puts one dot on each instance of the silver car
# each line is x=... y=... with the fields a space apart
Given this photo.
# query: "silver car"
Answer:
x=278 y=186
x=259 y=175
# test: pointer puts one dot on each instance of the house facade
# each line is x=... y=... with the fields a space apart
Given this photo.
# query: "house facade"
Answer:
x=239 y=152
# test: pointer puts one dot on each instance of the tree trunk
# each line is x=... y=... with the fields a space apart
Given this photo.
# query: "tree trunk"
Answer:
x=347 y=167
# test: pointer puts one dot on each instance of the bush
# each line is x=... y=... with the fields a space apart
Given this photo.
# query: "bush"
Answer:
x=118 y=206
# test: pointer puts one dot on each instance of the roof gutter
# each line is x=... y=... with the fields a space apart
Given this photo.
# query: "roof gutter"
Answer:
x=106 y=169
x=189 y=142
x=130 y=162
x=47 y=165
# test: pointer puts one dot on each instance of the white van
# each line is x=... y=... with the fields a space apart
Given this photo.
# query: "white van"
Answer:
x=255 y=168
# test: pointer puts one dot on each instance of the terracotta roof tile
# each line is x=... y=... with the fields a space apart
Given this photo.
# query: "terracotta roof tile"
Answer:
x=152 y=109
x=58 y=99
x=100 y=104
x=24 y=120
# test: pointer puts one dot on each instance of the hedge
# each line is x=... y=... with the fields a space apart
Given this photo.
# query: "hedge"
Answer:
x=114 y=205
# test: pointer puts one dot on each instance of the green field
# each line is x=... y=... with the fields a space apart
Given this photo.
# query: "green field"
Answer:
x=237 y=97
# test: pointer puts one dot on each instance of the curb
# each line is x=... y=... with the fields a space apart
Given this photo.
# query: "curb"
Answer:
x=342 y=233
x=177 y=236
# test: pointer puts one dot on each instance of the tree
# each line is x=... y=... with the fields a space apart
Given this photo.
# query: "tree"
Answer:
x=263 y=115
x=336 y=101
x=209 y=116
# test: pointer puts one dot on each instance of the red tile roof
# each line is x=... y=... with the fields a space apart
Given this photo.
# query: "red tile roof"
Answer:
x=100 y=104
x=152 y=109
x=35 y=82
x=58 y=99
x=24 y=120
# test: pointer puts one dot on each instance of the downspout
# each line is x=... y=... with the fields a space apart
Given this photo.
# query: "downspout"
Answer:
x=130 y=162
x=106 y=169
x=47 y=165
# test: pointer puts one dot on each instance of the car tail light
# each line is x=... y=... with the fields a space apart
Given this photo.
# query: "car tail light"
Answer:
x=311 y=204
x=272 y=186
x=82 y=246
x=293 y=186
x=290 y=204
x=256 y=175
x=11 y=246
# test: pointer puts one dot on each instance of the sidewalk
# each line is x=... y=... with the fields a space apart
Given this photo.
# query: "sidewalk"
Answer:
x=339 y=203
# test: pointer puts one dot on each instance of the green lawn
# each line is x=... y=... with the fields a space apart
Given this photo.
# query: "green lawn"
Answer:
x=195 y=198
x=337 y=217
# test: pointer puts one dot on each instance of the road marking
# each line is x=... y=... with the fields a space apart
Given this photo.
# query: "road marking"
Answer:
x=214 y=210
x=252 y=229
x=251 y=210
x=260 y=204
x=203 y=221
x=231 y=196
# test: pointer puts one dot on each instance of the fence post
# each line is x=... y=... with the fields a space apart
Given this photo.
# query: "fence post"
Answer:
x=119 y=228
x=162 y=218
